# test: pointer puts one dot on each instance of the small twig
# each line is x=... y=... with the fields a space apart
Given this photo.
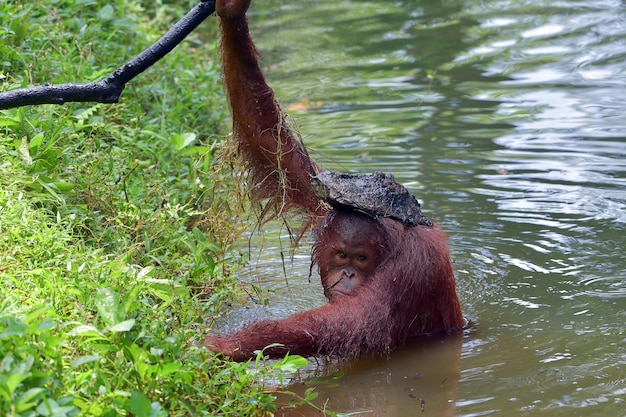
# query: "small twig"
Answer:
x=128 y=174
x=110 y=89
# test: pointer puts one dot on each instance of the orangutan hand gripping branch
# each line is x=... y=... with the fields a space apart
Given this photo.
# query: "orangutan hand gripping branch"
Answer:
x=386 y=278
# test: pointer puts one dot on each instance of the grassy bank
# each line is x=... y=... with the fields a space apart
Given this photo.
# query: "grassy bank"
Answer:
x=116 y=221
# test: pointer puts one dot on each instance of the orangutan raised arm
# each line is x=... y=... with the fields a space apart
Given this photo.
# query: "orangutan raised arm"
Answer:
x=280 y=165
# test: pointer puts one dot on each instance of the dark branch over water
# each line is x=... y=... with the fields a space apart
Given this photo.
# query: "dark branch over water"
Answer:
x=109 y=89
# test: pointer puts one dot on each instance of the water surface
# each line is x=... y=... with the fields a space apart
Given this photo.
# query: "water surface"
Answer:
x=507 y=119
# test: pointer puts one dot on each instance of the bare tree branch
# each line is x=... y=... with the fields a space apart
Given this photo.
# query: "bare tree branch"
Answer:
x=110 y=89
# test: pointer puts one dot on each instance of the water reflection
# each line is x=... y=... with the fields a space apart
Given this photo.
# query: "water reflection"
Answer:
x=423 y=377
x=506 y=119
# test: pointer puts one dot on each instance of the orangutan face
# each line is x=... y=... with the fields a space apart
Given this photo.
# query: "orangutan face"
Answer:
x=350 y=250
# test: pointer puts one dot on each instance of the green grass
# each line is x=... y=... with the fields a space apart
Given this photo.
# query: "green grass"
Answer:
x=116 y=230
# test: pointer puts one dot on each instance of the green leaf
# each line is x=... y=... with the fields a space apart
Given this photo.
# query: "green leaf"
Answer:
x=35 y=142
x=109 y=307
x=145 y=271
x=140 y=404
x=107 y=12
x=9 y=122
x=165 y=289
x=123 y=326
x=52 y=408
x=86 y=330
x=81 y=360
x=310 y=394
x=14 y=328
x=292 y=363
x=168 y=368
x=117 y=268
x=182 y=141
x=63 y=187
x=177 y=141
x=195 y=150
x=18 y=372
x=28 y=400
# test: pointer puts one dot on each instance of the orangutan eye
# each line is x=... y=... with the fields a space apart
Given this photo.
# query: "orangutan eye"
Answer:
x=361 y=258
x=341 y=255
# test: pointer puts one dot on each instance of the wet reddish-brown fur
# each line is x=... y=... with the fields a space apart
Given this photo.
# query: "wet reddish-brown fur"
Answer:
x=412 y=292
x=279 y=162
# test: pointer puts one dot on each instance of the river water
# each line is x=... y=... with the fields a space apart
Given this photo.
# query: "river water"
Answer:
x=507 y=119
